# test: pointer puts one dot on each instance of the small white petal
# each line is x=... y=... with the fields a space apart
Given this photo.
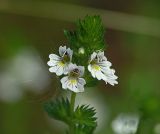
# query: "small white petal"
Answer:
x=66 y=68
x=111 y=82
x=81 y=69
x=64 y=82
x=80 y=88
x=75 y=88
x=54 y=57
x=72 y=67
x=52 y=63
x=105 y=63
x=59 y=71
x=113 y=71
x=111 y=77
x=89 y=68
x=62 y=50
x=100 y=54
x=70 y=53
x=93 y=73
x=53 y=69
x=103 y=76
x=98 y=75
x=81 y=81
x=72 y=85
x=105 y=70
x=93 y=55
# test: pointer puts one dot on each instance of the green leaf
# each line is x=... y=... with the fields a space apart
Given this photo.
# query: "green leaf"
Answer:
x=89 y=34
x=60 y=109
x=84 y=120
x=84 y=116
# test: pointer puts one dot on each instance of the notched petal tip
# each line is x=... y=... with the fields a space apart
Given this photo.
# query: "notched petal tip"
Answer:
x=52 y=69
x=62 y=50
x=81 y=69
x=54 y=57
x=93 y=55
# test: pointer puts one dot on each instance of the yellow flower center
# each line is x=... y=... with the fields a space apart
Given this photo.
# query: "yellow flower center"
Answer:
x=60 y=63
x=73 y=81
x=96 y=67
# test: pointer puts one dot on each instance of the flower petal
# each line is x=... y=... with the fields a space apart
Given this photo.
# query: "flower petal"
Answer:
x=72 y=85
x=98 y=76
x=81 y=70
x=71 y=67
x=52 y=63
x=80 y=88
x=59 y=70
x=93 y=56
x=81 y=81
x=54 y=57
x=66 y=68
x=70 y=53
x=103 y=76
x=111 y=82
x=53 y=69
x=93 y=72
x=105 y=63
x=64 y=82
x=100 y=54
x=62 y=50
x=89 y=68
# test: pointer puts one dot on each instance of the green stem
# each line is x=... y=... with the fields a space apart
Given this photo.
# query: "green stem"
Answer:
x=73 y=97
x=72 y=101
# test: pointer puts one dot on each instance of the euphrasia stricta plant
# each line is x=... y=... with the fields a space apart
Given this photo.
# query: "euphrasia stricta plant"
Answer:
x=80 y=64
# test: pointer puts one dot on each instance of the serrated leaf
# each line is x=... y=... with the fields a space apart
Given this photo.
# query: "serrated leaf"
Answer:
x=89 y=35
x=60 y=109
x=85 y=116
x=83 y=129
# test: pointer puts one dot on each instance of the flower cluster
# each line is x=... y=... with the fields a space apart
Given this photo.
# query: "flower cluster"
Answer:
x=99 y=67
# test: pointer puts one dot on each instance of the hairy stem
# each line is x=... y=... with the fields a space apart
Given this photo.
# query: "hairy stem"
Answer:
x=72 y=101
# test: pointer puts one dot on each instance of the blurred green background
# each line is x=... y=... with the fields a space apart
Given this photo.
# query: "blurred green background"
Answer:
x=31 y=30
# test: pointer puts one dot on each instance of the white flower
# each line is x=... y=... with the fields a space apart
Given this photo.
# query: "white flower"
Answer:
x=100 y=68
x=59 y=64
x=125 y=124
x=73 y=81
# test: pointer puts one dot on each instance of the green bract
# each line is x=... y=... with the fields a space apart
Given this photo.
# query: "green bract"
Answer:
x=89 y=35
x=86 y=39
x=59 y=109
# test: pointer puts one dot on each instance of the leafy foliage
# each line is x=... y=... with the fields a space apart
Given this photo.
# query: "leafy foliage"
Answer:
x=85 y=116
x=82 y=119
x=88 y=35
x=60 y=109
x=91 y=32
